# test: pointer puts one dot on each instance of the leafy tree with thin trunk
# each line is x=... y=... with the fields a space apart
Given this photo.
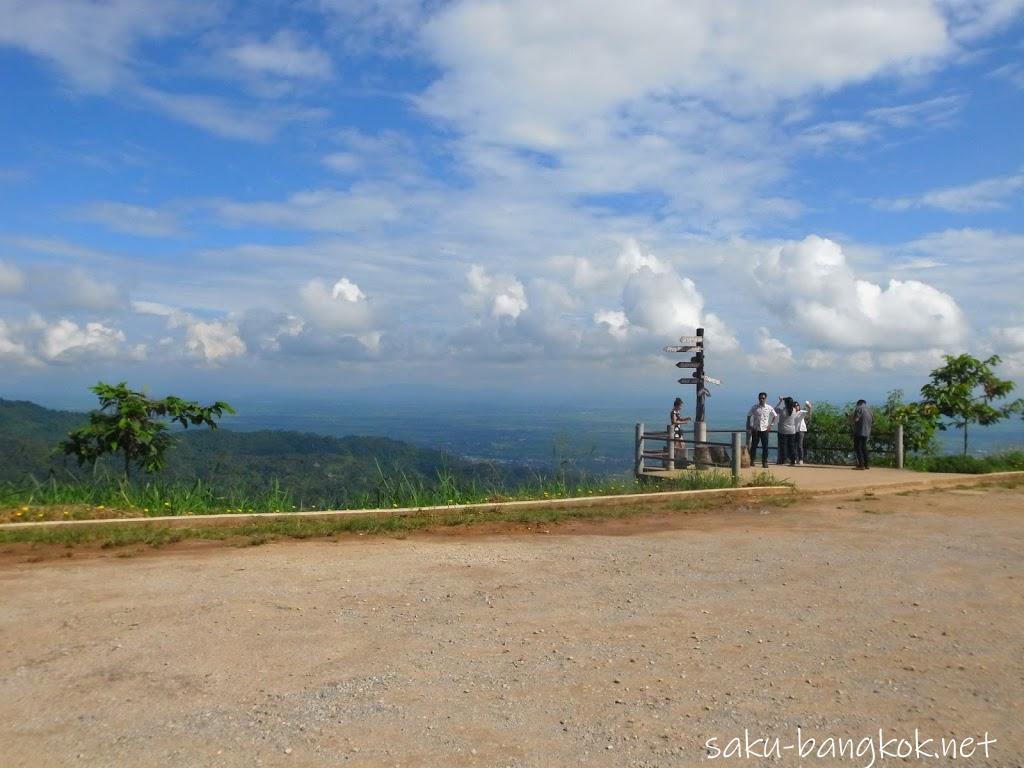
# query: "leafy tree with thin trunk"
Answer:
x=132 y=424
x=919 y=422
x=964 y=390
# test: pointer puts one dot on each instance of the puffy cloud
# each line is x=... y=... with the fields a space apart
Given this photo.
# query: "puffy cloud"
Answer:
x=720 y=339
x=67 y=342
x=772 y=354
x=210 y=341
x=811 y=288
x=11 y=279
x=616 y=322
x=496 y=296
x=13 y=349
x=266 y=331
x=1008 y=343
x=347 y=290
x=666 y=304
x=341 y=309
x=214 y=340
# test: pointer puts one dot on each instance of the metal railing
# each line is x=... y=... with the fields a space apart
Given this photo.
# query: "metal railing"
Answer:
x=819 y=448
x=706 y=453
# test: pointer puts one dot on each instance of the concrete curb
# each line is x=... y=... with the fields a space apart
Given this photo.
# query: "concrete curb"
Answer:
x=584 y=502
x=235 y=519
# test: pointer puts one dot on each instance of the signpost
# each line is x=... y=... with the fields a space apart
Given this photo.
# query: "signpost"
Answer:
x=699 y=379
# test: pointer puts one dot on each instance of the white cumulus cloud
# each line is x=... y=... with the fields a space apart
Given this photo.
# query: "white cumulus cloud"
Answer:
x=67 y=342
x=213 y=340
x=771 y=354
x=496 y=296
x=666 y=304
x=810 y=287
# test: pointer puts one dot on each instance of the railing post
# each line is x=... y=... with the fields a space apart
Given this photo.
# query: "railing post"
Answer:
x=899 y=446
x=670 y=448
x=701 y=452
x=638 y=460
x=737 y=446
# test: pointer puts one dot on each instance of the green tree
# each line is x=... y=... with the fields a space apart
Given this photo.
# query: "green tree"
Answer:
x=963 y=391
x=132 y=424
x=920 y=422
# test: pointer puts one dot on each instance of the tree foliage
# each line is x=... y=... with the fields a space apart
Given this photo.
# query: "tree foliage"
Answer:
x=964 y=390
x=919 y=423
x=830 y=432
x=134 y=425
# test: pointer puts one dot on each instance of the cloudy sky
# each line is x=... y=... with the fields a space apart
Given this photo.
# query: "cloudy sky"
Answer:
x=325 y=196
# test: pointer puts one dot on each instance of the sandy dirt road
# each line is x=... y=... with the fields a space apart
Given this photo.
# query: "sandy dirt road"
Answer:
x=625 y=643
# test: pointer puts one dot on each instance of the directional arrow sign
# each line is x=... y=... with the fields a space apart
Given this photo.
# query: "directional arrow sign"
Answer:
x=676 y=350
x=712 y=380
x=689 y=381
x=691 y=339
x=687 y=364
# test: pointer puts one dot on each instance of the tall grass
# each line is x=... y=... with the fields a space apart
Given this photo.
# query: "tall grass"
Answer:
x=101 y=498
x=1007 y=461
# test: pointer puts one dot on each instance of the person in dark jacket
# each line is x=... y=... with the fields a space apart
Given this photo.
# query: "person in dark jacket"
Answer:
x=863 y=419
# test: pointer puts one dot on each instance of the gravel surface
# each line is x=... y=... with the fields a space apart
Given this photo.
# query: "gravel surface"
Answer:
x=618 y=643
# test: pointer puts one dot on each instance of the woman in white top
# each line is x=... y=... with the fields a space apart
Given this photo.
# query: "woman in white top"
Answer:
x=801 y=429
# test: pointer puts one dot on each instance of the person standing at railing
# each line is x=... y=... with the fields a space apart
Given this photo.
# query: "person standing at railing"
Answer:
x=863 y=419
x=801 y=429
x=677 y=420
x=788 y=412
x=760 y=419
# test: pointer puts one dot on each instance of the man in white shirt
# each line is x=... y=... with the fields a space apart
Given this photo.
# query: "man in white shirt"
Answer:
x=760 y=419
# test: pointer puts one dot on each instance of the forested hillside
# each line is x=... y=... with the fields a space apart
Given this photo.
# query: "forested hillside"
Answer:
x=307 y=465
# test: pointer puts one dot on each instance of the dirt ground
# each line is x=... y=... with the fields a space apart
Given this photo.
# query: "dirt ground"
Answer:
x=618 y=643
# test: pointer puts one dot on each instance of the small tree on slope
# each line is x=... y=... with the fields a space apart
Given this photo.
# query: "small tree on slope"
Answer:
x=130 y=423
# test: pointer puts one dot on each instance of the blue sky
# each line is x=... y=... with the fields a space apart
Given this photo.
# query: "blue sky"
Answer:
x=326 y=197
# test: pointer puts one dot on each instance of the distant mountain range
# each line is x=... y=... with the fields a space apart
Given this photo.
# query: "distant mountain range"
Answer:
x=308 y=465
